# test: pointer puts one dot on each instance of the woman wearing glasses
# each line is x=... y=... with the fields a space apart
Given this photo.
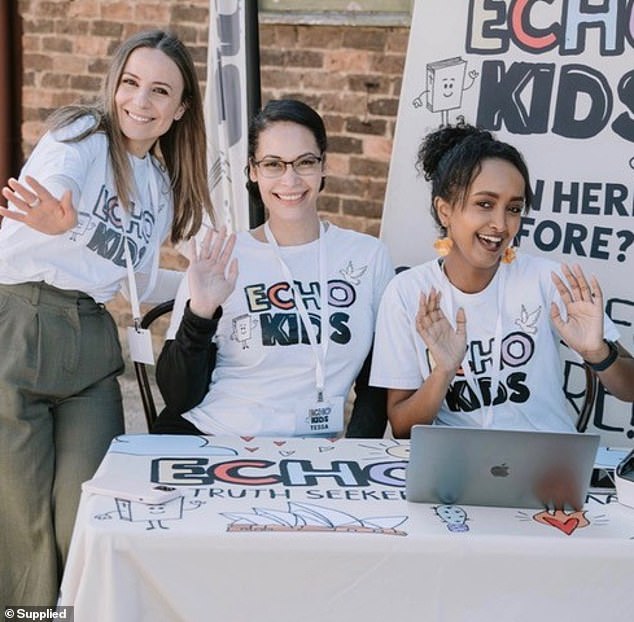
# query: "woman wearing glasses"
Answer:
x=273 y=348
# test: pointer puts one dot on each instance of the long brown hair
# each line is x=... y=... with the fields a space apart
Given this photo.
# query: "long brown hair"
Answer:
x=182 y=148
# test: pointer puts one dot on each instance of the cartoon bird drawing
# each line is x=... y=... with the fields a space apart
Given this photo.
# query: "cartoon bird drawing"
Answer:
x=352 y=275
x=528 y=321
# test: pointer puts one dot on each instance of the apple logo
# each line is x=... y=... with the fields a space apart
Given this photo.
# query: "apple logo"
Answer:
x=500 y=470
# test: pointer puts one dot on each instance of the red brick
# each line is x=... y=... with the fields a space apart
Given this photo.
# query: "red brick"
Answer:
x=37 y=62
x=57 y=44
x=377 y=147
x=376 y=189
x=344 y=144
x=86 y=83
x=345 y=60
x=369 y=168
x=284 y=36
x=397 y=40
x=324 y=81
x=321 y=37
x=387 y=64
x=374 y=84
x=55 y=81
x=350 y=103
x=334 y=123
x=157 y=12
x=384 y=107
x=85 y=8
x=368 y=209
x=107 y=29
x=337 y=164
x=328 y=203
x=38 y=26
x=52 y=9
x=186 y=12
x=69 y=64
x=302 y=58
x=91 y=46
x=347 y=185
x=364 y=38
x=354 y=125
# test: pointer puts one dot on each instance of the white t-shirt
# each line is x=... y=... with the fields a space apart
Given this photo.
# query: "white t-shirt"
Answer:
x=89 y=258
x=262 y=369
x=530 y=393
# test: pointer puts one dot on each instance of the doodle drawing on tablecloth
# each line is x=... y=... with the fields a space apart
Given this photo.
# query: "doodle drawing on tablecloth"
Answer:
x=310 y=517
x=454 y=516
x=154 y=514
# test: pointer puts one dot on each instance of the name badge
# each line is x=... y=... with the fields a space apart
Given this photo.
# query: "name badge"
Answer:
x=140 y=344
x=320 y=417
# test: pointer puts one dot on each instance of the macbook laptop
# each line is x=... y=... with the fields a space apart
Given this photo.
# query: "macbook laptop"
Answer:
x=501 y=468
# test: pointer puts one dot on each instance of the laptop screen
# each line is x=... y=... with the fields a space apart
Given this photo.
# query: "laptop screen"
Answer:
x=499 y=468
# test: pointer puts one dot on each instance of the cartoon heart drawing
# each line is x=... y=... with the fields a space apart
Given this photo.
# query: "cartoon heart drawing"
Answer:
x=567 y=526
x=247 y=439
x=279 y=443
x=252 y=449
x=566 y=523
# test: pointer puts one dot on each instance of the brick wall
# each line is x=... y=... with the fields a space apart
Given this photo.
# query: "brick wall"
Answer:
x=350 y=74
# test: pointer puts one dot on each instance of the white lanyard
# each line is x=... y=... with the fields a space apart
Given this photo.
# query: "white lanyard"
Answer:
x=125 y=217
x=319 y=352
x=496 y=358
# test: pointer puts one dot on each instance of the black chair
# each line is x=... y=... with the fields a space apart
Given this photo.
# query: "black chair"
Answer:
x=145 y=389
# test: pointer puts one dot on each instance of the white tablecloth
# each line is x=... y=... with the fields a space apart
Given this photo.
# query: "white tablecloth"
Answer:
x=308 y=530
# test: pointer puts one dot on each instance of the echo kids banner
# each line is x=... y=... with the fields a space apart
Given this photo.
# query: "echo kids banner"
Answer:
x=556 y=79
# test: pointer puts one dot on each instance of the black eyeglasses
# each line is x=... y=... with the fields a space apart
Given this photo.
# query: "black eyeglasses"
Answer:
x=304 y=165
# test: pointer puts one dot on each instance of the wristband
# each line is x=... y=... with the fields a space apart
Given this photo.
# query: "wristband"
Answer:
x=613 y=354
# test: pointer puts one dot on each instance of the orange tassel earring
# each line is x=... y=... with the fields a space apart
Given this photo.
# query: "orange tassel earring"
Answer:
x=443 y=246
x=509 y=255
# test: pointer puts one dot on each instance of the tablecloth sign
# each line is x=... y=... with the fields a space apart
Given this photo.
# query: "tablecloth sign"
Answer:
x=240 y=484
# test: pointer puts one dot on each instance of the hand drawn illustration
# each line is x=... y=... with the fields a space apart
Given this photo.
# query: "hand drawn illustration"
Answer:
x=302 y=517
x=454 y=516
x=391 y=448
x=351 y=274
x=243 y=326
x=445 y=86
x=154 y=514
x=527 y=320
x=566 y=522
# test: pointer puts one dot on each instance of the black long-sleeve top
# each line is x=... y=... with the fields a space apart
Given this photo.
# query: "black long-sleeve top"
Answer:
x=185 y=365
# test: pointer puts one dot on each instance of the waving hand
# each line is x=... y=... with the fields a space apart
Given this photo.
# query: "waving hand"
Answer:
x=446 y=344
x=38 y=208
x=211 y=275
x=583 y=328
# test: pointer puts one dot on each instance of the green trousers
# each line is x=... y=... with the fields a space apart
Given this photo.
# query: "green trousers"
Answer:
x=60 y=406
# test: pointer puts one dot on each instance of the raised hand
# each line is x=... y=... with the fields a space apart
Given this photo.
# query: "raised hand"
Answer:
x=211 y=276
x=446 y=345
x=38 y=208
x=583 y=329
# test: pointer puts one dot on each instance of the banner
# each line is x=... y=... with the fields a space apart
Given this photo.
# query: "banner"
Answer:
x=226 y=113
x=555 y=78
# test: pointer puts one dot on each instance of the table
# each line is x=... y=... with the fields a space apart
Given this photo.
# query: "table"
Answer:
x=308 y=530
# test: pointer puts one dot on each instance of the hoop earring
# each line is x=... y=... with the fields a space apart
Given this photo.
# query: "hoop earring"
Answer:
x=509 y=255
x=443 y=246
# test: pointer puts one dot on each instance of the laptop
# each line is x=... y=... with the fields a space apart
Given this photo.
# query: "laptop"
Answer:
x=500 y=468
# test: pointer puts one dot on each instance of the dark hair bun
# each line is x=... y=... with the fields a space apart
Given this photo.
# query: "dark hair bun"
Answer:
x=440 y=142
